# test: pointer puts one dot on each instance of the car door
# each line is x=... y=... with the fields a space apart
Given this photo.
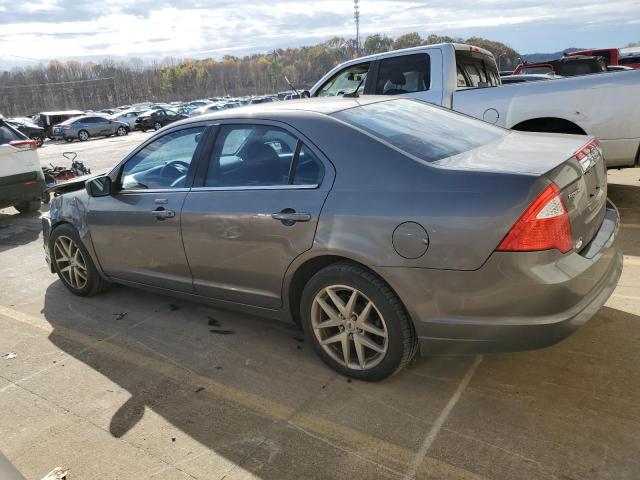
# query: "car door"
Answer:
x=253 y=209
x=136 y=230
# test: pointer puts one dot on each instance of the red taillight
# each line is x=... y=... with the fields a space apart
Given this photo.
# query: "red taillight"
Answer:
x=32 y=144
x=543 y=226
x=586 y=149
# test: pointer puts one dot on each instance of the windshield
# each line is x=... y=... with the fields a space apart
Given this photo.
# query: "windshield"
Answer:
x=419 y=129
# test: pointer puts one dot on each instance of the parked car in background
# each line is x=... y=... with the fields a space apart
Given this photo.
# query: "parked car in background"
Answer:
x=532 y=77
x=84 y=127
x=566 y=66
x=157 y=119
x=444 y=233
x=47 y=120
x=28 y=128
x=612 y=56
x=465 y=78
x=213 y=107
x=129 y=117
x=630 y=60
x=22 y=182
x=257 y=100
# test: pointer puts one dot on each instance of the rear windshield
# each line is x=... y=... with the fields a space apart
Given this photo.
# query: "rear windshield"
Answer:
x=476 y=70
x=421 y=130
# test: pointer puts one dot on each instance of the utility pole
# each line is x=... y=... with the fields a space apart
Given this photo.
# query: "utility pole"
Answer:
x=356 y=16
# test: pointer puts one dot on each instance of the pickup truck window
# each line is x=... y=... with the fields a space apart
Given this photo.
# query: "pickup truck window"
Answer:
x=421 y=130
x=345 y=81
x=403 y=74
x=478 y=69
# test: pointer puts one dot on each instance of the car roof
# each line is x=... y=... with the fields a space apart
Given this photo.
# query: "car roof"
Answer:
x=323 y=105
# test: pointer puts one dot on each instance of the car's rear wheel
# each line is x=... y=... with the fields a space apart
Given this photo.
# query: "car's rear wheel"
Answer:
x=73 y=264
x=69 y=139
x=157 y=126
x=121 y=131
x=83 y=135
x=356 y=323
x=28 y=207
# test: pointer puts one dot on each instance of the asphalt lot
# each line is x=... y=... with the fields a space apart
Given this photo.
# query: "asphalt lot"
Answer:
x=132 y=385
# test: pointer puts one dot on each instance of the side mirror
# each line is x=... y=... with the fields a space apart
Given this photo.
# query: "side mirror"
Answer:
x=98 y=187
x=306 y=94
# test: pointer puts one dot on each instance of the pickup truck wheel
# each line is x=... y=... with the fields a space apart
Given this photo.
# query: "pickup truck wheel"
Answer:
x=73 y=264
x=83 y=135
x=356 y=323
x=28 y=207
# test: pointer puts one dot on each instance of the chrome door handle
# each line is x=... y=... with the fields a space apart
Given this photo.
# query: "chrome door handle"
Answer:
x=161 y=214
x=289 y=217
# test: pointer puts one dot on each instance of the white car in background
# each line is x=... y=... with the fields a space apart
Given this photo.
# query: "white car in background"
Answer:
x=22 y=182
x=128 y=117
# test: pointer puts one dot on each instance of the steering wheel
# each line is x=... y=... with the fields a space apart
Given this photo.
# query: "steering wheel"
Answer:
x=174 y=167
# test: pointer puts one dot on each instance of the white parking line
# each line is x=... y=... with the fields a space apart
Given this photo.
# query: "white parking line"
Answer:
x=444 y=414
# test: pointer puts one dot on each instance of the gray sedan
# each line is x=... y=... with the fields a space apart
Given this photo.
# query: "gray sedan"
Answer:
x=85 y=127
x=378 y=226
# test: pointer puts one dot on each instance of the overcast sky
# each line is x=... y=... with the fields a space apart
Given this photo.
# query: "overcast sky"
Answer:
x=44 y=29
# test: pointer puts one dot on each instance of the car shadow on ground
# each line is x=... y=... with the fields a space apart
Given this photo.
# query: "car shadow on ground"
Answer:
x=18 y=229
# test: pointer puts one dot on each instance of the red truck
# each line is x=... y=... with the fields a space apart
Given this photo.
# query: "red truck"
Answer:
x=612 y=56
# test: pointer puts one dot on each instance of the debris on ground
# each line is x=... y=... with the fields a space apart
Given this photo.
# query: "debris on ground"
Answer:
x=57 y=473
x=173 y=307
x=213 y=322
x=199 y=389
x=9 y=356
x=299 y=339
x=222 y=332
x=119 y=316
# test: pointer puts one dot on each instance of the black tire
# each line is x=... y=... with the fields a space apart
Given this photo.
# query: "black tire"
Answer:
x=82 y=137
x=402 y=341
x=157 y=126
x=121 y=131
x=39 y=140
x=28 y=207
x=142 y=129
x=69 y=139
x=95 y=282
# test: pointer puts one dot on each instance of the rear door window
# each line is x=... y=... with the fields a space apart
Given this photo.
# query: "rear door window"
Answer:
x=403 y=74
x=480 y=69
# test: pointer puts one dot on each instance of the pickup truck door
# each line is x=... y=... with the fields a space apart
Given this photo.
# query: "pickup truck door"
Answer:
x=417 y=75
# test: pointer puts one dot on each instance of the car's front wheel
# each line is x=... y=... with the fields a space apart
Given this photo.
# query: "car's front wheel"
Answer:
x=73 y=264
x=356 y=323
x=83 y=135
x=157 y=126
x=121 y=131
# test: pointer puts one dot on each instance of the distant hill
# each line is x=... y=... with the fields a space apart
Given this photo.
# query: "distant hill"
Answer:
x=545 y=57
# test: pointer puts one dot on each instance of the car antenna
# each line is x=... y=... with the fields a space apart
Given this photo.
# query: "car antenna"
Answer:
x=294 y=88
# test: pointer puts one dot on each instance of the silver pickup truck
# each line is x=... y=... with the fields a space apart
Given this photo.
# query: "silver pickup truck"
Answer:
x=465 y=78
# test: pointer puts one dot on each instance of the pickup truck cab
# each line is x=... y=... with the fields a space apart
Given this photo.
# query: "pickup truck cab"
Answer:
x=465 y=78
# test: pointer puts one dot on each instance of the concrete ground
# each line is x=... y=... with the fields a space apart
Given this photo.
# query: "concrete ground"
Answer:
x=132 y=385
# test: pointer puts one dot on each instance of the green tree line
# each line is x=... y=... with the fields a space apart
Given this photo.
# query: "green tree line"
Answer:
x=91 y=85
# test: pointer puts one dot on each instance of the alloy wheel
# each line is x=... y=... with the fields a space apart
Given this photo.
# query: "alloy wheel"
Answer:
x=121 y=131
x=70 y=262
x=349 y=327
x=83 y=136
x=157 y=125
